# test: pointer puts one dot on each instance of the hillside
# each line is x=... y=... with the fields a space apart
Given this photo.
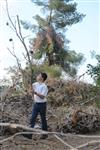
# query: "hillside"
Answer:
x=71 y=104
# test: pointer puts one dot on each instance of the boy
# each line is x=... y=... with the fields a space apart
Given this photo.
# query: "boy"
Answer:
x=40 y=90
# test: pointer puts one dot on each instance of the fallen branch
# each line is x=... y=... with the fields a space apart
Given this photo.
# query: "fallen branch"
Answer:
x=38 y=131
x=13 y=136
x=86 y=136
x=62 y=141
x=97 y=147
x=20 y=133
x=31 y=129
x=12 y=125
x=87 y=144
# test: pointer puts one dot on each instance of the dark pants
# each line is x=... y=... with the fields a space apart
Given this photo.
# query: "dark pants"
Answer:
x=39 y=108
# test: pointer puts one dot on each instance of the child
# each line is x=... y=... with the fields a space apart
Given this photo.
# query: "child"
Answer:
x=40 y=90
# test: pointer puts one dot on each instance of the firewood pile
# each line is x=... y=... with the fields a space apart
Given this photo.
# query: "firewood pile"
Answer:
x=80 y=122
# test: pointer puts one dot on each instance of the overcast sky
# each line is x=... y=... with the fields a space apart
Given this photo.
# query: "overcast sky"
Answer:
x=84 y=36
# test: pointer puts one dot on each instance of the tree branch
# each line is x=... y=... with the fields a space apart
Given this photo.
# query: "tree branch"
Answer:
x=37 y=131
x=13 y=54
x=88 y=143
x=66 y=144
x=20 y=37
x=12 y=125
x=56 y=134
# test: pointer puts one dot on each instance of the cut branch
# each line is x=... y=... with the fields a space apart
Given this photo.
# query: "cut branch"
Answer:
x=32 y=131
x=12 y=125
x=65 y=143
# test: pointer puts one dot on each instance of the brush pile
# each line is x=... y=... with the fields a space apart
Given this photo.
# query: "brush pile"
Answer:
x=81 y=122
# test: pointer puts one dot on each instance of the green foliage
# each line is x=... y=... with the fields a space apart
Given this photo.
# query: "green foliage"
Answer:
x=74 y=58
x=94 y=71
x=29 y=26
x=50 y=39
x=53 y=71
x=38 y=55
x=63 y=12
x=71 y=62
x=41 y=21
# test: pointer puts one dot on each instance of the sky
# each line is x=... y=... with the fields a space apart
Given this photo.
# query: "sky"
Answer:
x=84 y=37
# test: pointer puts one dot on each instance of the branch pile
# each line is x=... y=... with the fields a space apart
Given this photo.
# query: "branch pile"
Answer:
x=81 y=122
x=71 y=92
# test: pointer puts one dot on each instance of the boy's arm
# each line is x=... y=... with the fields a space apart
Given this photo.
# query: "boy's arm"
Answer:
x=43 y=93
x=31 y=90
x=40 y=95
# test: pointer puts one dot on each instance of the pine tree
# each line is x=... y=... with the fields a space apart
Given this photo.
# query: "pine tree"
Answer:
x=50 y=38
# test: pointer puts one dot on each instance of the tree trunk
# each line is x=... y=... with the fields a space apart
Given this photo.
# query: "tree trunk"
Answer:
x=50 y=59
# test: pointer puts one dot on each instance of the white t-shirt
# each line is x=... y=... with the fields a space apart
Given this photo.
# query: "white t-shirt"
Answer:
x=42 y=89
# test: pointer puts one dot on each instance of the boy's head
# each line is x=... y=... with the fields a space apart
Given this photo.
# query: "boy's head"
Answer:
x=41 y=77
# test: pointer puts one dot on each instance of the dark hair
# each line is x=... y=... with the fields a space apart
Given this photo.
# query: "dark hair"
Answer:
x=44 y=76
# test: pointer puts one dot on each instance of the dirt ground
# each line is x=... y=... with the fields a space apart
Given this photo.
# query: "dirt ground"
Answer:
x=51 y=143
x=19 y=111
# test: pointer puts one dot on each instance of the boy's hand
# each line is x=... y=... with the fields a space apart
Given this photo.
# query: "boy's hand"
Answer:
x=34 y=92
x=30 y=90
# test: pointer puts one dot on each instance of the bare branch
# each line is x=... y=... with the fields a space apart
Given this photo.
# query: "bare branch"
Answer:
x=11 y=125
x=65 y=143
x=22 y=40
x=26 y=36
x=19 y=35
x=10 y=17
x=12 y=24
x=56 y=135
x=32 y=132
x=25 y=57
x=13 y=54
x=19 y=28
x=88 y=143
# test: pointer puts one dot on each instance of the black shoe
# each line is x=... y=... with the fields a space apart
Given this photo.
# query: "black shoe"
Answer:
x=29 y=136
x=44 y=136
